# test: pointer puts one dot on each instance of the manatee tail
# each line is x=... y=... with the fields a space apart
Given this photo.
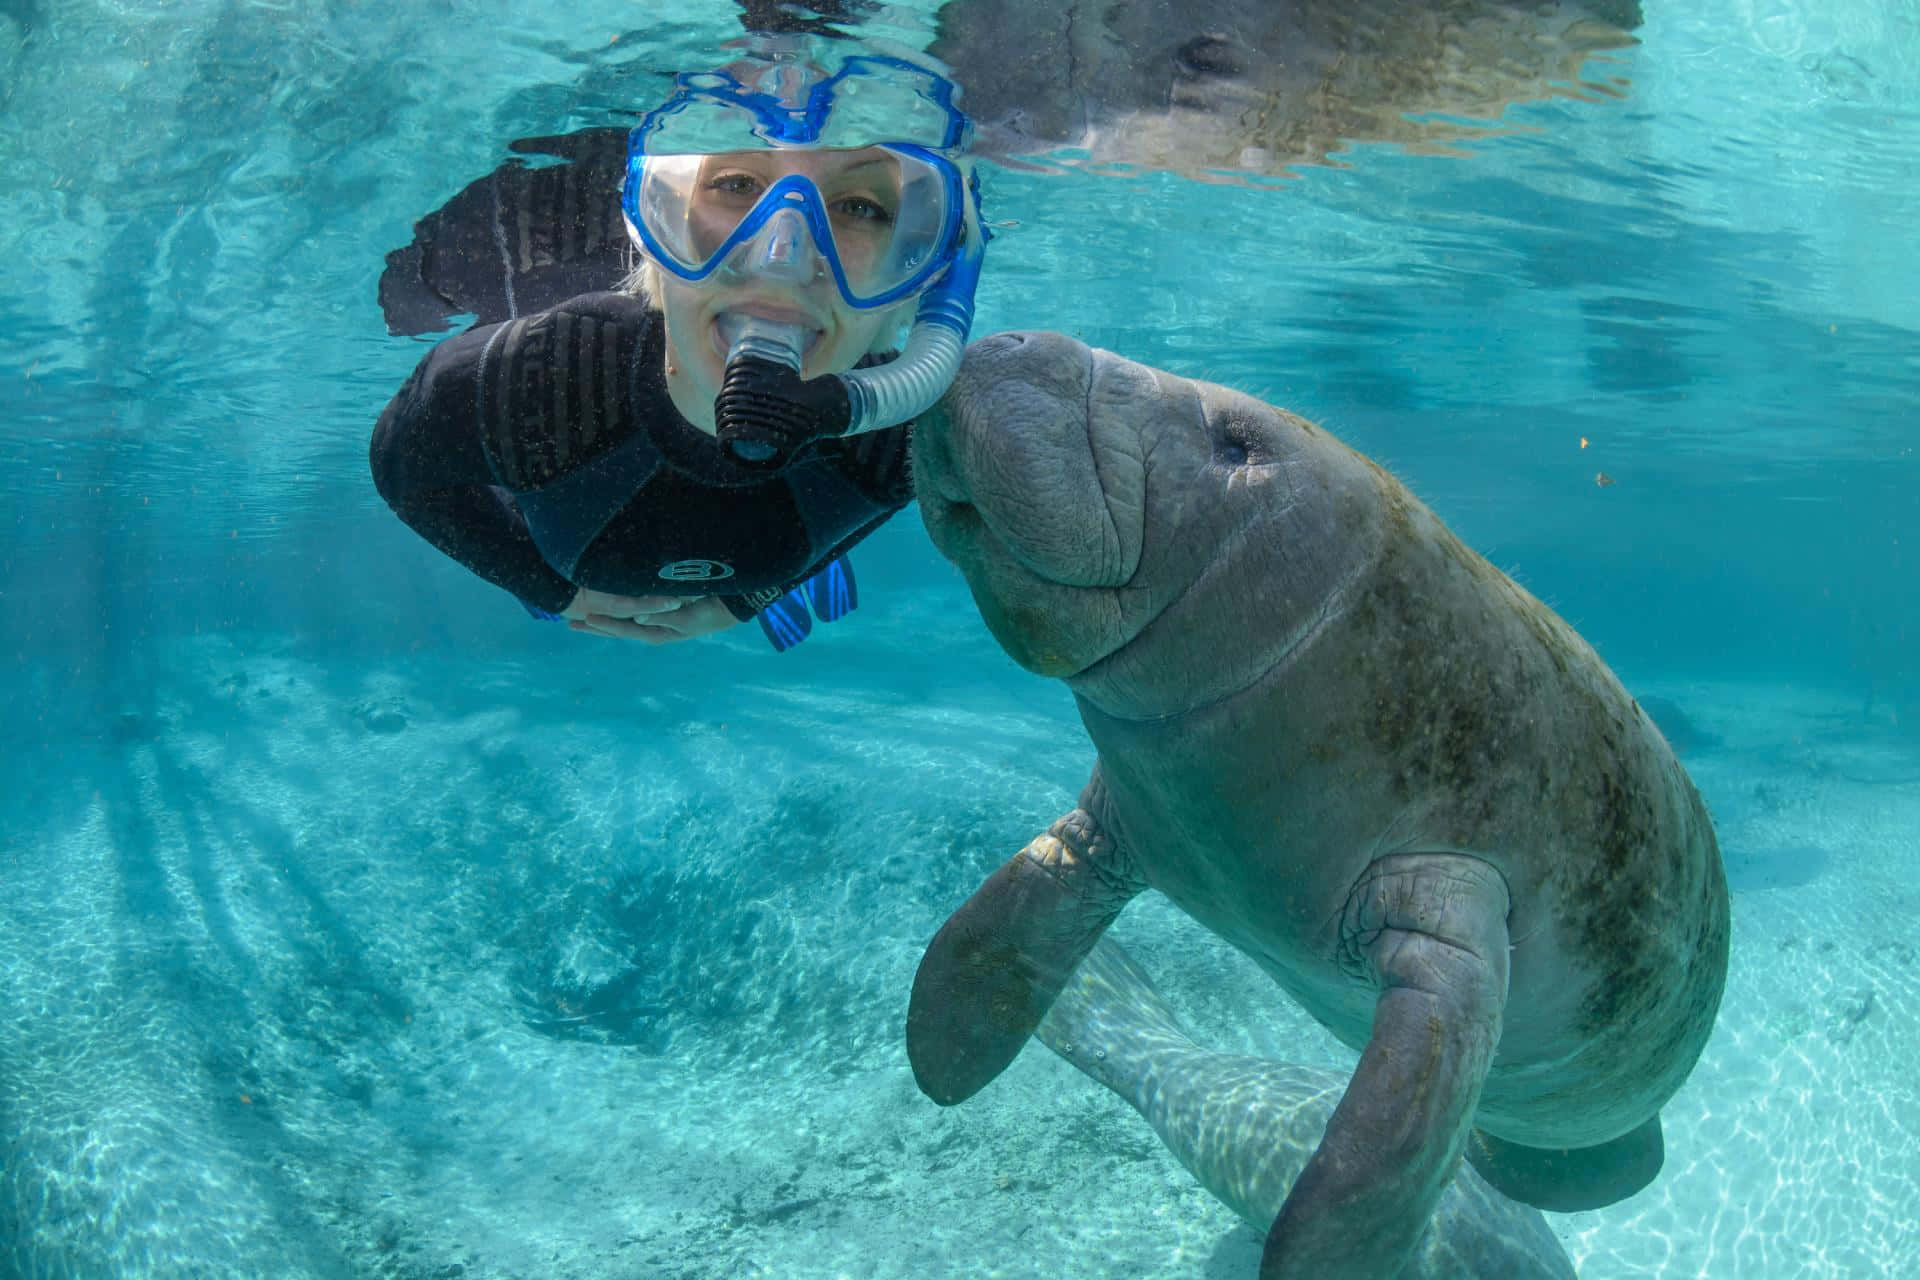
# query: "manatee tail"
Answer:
x=1567 y=1181
x=1111 y=1008
x=1244 y=1127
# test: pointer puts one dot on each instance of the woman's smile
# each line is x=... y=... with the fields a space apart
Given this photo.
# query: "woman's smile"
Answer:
x=727 y=321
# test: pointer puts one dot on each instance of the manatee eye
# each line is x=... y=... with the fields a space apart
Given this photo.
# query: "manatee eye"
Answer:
x=1207 y=56
x=1234 y=444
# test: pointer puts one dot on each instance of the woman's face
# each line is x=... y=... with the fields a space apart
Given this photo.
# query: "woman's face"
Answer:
x=780 y=275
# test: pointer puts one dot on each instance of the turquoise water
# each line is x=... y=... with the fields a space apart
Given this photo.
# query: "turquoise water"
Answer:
x=351 y=924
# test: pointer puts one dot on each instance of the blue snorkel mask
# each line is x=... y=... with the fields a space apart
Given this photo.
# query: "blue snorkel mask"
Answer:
x=851 y=179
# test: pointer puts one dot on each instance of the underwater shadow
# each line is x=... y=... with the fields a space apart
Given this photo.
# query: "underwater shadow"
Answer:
x=227 y=945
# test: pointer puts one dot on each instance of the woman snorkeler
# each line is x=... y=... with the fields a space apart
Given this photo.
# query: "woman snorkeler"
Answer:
x=703 y=444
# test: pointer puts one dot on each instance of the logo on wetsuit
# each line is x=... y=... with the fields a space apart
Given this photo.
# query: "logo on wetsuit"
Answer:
x=696 y=571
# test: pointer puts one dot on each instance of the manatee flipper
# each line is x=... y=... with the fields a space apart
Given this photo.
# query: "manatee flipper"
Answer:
x=989 y=975
x=1571 y=1180
x=1244 y=1127
x=1430 y=932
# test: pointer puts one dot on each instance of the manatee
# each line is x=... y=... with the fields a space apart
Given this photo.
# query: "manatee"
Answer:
x=1352 y=748
x=1194 y=86
x=1244 y=1126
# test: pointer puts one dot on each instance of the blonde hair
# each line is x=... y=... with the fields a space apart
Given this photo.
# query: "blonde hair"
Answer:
x=643 y=282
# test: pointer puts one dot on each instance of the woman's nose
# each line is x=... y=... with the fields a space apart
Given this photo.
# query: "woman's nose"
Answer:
x=784 y=250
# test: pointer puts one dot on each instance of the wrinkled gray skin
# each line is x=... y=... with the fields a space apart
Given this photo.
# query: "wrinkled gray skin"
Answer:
x=1256 y=85
x=1245 y=1126
x=1348 y=745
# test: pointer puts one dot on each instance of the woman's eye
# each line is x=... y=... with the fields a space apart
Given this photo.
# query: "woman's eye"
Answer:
x=734 y=184
x=862 y=209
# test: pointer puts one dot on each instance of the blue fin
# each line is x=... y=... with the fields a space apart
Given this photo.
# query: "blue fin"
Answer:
x=786 y=621
x=832 y=591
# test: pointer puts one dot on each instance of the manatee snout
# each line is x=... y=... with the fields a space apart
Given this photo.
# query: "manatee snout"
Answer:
x=940 y=431
x=1014 y=444
x=1036 y=490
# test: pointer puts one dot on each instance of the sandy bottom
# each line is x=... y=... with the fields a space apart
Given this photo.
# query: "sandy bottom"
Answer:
x=445 y=970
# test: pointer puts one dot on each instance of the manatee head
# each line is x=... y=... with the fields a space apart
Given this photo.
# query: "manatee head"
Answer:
x=1157 y=542
x=1253 y=85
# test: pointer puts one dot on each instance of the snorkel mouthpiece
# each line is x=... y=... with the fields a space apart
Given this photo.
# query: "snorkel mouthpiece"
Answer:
x=765 y=411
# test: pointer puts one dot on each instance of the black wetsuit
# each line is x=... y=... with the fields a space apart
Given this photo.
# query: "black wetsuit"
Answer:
x=545 y=454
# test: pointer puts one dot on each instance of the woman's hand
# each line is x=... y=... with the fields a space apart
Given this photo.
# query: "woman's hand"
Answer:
x=654 y=619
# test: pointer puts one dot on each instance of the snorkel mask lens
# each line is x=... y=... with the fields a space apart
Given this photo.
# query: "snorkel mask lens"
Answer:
x=864 y=156
x=882 y=219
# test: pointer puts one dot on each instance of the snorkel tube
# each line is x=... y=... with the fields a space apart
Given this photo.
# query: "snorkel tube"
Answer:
x=765 y=410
